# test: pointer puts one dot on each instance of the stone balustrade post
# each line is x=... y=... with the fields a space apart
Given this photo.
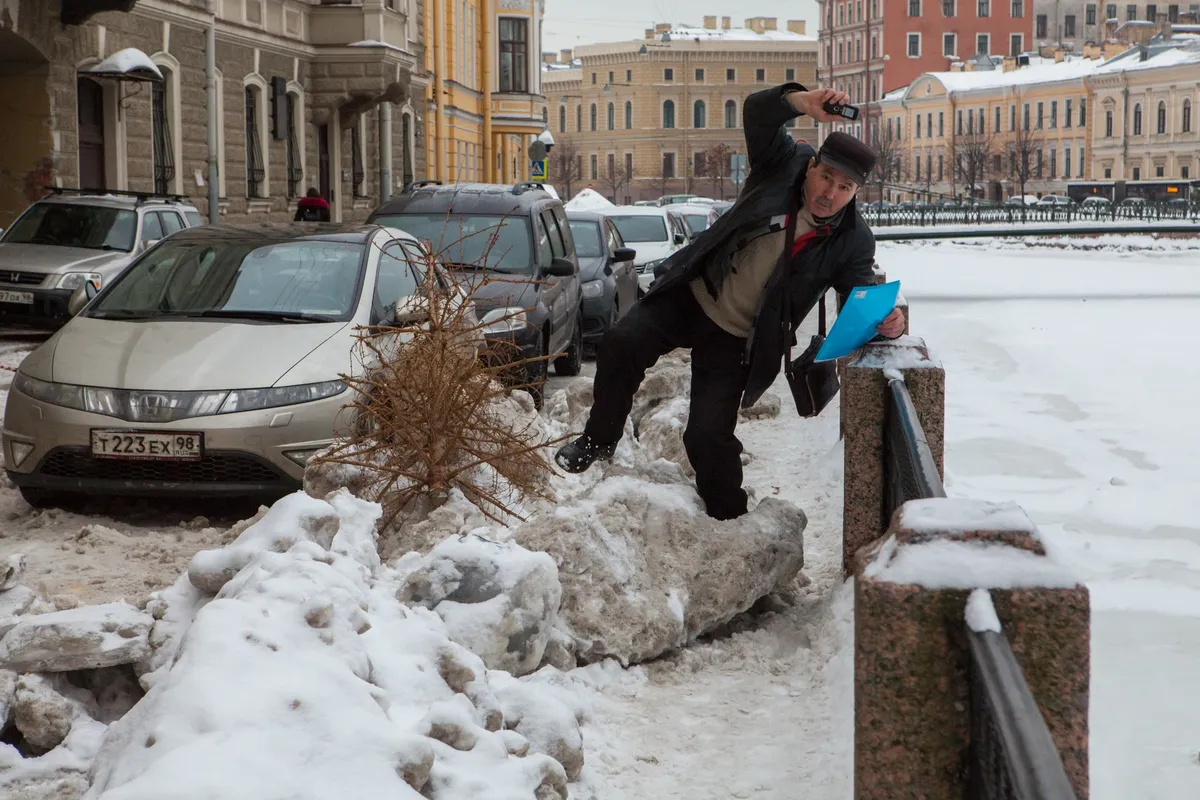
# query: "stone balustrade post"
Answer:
x=864 y=396
x=912 y=704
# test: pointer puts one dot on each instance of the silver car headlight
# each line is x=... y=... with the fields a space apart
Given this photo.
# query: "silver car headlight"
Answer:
x=73 y=280
x=135 y=405
x=504 y=320
x=592 y=289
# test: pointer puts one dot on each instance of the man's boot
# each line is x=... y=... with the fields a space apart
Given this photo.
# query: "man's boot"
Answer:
x=580 y=454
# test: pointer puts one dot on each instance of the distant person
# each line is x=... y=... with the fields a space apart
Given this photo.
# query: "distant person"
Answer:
x=312 y=208
x=722 y=296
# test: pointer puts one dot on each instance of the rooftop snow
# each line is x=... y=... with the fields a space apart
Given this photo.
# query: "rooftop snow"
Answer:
x=1033 y=74
x=739 y=34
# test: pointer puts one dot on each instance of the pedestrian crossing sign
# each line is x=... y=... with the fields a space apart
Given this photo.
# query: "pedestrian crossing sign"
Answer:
x=538 y=170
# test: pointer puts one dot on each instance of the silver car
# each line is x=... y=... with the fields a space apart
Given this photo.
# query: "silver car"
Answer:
x=211 y=365
x=68 y=238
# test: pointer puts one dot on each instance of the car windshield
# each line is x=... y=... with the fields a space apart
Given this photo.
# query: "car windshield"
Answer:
x=71 y=225
x=642 y=228
x=699 y=222
x=587 y=238
x=301 y=281
x=497 y=243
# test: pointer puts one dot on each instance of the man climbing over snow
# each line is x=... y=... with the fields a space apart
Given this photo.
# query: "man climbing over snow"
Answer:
x=723 y=295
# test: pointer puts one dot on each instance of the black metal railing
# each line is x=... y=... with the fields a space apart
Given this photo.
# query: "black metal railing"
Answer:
x=1012 y=754
x=1029 y=215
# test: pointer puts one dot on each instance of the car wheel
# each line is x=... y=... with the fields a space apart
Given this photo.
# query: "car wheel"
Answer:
x=571 y=362
x=42 y=498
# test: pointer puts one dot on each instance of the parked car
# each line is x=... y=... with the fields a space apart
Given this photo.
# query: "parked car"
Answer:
x=69 y=237
x=210 y=366
x=1055 y=200
x=655 y=233
x=519 y=235
x=698 y=216
x=673 y=199
x=606 y=269
x=1021 y=200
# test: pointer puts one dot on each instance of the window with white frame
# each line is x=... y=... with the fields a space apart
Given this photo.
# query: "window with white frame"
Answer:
x=985 y=8
x=1016 y=44
x=949 y=44
x=514 y=55
x=983 y=44
x=914 y=45
x=914 y=8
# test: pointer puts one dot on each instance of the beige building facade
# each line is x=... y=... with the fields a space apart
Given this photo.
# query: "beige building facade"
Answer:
x=641 y=119
x=308 y=95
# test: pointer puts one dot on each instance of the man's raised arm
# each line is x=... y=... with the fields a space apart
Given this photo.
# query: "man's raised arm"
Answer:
x=764 y=114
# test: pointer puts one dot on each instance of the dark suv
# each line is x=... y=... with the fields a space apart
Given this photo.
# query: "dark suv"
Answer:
x=513 y=246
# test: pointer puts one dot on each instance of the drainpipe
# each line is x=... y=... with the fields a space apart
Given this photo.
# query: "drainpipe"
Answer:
x=210 y=75
x=485 y=77
x=385 y=151
x=439 y=55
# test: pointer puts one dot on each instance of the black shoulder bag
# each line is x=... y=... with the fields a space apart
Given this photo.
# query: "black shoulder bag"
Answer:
x=813 y=384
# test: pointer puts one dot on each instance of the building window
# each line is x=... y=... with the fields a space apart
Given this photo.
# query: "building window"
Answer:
x=1067 y=162
x=628 y=115
x=1130 y=12
x=1012 y=118
x=668 y=114
x=1186 y=120
x=1018 y=9
x=593 y=79
x=255 y=171
x=731 y=75
x=996 y=119
x=1137 y=120
x=1137 y=173
x=1053 y=163
x=1067 y=113
x=611 y=117
x=579 y=118
x=592 y=117
x=1162 y=117
x=1069 y=26
x=983 y=44
x=1016 y=44
x=918 y=133
x=985 y=8
x=562 y=119
x=949 y=44
x=1082 y=111
x=917 y=165
x=628 y=166
x=1151 y=12
x=789 y=74
x=1108 y=124
x=1090 y=14
x=358 y=173
x=595 y=165
x=668 y=75
x=948 y=8
x=514 y=55
x=941 y=167
x=1110 y=11
x=1184 y=171
x=1107 y=173
x=611 y=78
x=1042 y=26
x=1173 y=13
x=1041 y=117
x=295 y=161
x=941 y=123
x=730 y=114
x=699 y=76
x=164 y=161
x=914 y=8
x=1053 y=113
x=958 y=128
x=760 y=74
x=914 y=45
x=699 y=115
x=668 y=165
x=1025 y=121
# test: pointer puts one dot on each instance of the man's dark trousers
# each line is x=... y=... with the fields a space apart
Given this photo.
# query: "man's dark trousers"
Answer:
x=663 y=322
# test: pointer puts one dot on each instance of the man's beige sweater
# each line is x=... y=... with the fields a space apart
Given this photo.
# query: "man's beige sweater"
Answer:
x=737 y=301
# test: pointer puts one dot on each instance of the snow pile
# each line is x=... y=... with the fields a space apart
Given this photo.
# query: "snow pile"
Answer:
x=981 y=614
x=589 y=200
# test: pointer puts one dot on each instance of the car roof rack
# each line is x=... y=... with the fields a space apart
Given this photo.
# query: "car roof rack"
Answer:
x=142 y=197
x=524 y=186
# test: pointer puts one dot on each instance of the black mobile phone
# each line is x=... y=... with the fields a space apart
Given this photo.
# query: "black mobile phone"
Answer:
x=847 y=111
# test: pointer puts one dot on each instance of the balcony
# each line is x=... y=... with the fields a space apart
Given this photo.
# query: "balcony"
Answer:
x=338 y=23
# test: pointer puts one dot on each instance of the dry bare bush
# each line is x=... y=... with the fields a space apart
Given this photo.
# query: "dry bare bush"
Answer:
x=432 y=411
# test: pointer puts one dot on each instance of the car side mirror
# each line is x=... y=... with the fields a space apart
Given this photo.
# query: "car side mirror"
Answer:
x=559 y=268
x=411 y=310
x=679 y=238
x=622 y=254
x=82 y=295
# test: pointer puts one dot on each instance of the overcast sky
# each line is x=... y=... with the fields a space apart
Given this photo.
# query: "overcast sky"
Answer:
x=570 y=23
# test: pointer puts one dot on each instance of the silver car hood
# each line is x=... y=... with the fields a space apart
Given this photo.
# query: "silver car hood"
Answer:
x=185 y=355
x=51 y=259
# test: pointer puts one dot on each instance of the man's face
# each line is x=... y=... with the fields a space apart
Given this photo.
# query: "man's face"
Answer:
x=826 y=190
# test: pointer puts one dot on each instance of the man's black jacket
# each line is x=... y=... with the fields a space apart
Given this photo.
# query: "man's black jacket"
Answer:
x=842 y=260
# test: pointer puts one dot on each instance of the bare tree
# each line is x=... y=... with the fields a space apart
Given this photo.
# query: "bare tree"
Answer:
x=1023 y=149
x=889 y=164
x=972 y=154
x=566 y=164
x=715 y=166
x=617 y=176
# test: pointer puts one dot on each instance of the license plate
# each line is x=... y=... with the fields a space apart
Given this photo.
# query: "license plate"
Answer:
x=146 y=446
x=16 y=297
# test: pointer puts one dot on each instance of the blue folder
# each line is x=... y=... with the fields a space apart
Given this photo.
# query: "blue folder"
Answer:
x=865 y=308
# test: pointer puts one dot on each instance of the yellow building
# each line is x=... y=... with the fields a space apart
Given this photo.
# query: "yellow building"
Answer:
x=484 y=102
x=639 y=119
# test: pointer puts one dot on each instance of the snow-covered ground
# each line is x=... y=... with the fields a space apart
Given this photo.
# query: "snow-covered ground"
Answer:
x=1067 y=379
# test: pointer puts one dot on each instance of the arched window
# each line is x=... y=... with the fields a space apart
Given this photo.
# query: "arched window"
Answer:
x=562 y=119
x=256 y=126
x=1137 y=120
x=730 y=114
x=579 y=118
x=699 y=115
x=167 y=136
x=593 y=116
x=628 y=115
x=1162 y=116
x=295 y=139
x=1186 y=121
x=612 y=117
x=668 y=115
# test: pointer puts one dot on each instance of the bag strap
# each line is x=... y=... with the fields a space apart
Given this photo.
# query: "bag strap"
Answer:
x=821 y=313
